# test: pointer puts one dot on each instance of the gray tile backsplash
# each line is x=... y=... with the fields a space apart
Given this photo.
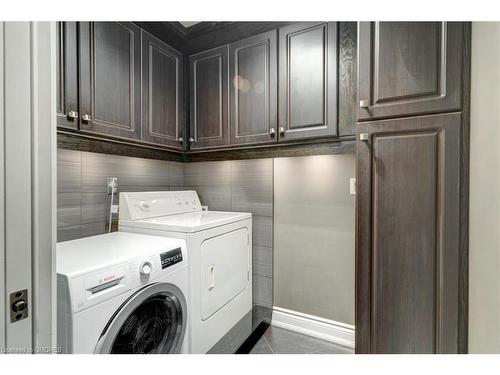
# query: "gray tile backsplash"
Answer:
x=213 y=196
x=242 y=185
x=83 y=202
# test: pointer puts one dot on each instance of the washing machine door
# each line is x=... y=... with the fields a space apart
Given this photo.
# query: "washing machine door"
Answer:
x=153 y=320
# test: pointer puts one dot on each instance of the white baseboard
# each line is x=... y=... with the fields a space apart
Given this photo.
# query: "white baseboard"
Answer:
x=325 y=329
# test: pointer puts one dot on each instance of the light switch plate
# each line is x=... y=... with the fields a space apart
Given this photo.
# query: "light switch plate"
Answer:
x=352 y=186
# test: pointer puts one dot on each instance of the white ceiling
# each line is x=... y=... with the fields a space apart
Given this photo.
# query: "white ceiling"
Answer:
x=188 y=23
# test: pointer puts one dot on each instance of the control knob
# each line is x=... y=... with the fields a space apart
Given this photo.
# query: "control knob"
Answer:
x=145 y=268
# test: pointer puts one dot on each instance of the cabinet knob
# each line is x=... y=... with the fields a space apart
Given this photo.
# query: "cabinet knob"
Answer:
x=363 y=103
x=191 y=139
x=87 y=118
x=282 y=131
x=181 y=139
x=272 y=132
x=72 y=114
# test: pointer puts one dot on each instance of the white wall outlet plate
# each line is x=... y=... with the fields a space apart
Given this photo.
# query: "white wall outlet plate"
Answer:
x=112 y=184
x=352 y=186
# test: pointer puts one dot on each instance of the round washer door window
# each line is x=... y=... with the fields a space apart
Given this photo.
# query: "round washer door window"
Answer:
x=152 y=321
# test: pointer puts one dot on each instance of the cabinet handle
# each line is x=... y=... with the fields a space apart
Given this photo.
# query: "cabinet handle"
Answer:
x=363 y=103
x=272 y=132
x=72 y=114
x=363 y=137
x=282 y=131
x=87 y=118
x=181 y=139
x=191 y=140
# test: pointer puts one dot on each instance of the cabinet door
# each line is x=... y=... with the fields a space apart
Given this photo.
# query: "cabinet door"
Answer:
x=407 y=235
x=67 y=75
x=209 y=99
x=409 y=68
x=308 y=80
x=162 y=93
x=110 y=79
x=253 y=84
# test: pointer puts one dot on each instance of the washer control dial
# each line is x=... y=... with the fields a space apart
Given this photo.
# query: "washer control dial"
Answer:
x=145 y=268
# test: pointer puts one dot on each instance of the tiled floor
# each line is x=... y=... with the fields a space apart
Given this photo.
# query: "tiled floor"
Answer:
x=281 y=341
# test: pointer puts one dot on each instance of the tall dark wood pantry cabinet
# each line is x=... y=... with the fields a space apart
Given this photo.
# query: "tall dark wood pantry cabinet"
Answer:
x=411 y=247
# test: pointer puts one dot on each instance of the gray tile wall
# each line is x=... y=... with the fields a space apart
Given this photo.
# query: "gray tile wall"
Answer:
x=247 y=186
x=82 y=199
x=240 y=185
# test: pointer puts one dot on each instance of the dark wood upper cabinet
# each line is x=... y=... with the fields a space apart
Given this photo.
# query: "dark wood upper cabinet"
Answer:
x=407 y=248
x=307 y=80
x=409 y=68
x=163 y=119
x=253 y=84
x=209 y=98
x=110 y=79
x=67 y=75
x=348 y=78
x=119 y=81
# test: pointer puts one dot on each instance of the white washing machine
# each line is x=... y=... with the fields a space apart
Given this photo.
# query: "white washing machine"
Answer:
x=122 y=293
x=220 y=256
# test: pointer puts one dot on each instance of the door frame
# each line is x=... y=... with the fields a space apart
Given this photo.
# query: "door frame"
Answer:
x=27 y=194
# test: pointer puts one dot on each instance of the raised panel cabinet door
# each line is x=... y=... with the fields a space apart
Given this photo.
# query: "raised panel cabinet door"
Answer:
x=409 y=68
x=67 y=75
x=209 y=99
x=110 y=79
x=162 y=93
x=307 y=80
x=407 y=257
x=253 y=67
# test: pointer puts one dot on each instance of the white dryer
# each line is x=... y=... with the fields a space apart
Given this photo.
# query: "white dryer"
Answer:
x=122 y=293
x=220 y=256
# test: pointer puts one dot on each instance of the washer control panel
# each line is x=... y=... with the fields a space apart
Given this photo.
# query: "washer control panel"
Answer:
x=143 y=205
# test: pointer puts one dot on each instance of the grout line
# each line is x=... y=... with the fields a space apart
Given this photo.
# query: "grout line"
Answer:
x=268 y=343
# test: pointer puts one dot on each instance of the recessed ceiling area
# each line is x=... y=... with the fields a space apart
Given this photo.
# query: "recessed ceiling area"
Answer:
x=187 y=24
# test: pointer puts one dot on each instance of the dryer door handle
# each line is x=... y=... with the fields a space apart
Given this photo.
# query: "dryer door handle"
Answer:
x=211 y=277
